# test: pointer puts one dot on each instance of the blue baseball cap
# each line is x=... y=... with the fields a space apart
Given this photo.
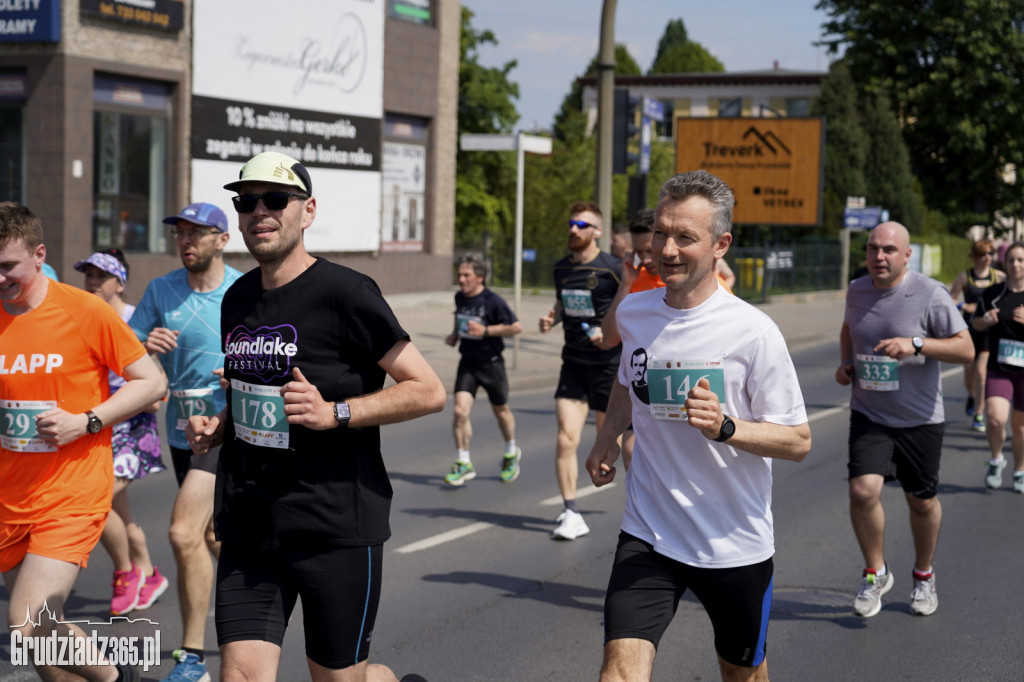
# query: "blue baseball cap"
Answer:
x=201 y=214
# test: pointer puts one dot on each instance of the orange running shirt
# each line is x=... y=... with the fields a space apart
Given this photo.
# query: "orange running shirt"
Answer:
x=645 y=281
x=60 y=351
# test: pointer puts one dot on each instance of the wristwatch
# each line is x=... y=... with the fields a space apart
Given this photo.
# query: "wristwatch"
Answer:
x=342 y=414
x=94 y=425
x=727 y=430
x=918 y=343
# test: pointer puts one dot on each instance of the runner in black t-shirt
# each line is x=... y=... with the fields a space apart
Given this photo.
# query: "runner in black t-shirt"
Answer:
x=303 y=495
x=585 y=283
x=482 y=318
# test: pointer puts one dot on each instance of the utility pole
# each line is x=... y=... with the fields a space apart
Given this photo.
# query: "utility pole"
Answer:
x=605 y=108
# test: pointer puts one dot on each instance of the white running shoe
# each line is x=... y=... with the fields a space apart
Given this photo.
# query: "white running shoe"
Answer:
x=570 y=526
x=994 y=475
x=869 y=600
x=923 y=600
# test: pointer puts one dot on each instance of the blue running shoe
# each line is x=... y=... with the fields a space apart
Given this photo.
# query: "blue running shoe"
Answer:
x=188 y=669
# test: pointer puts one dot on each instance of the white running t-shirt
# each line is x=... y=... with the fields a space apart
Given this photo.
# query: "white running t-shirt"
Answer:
x=696 y=501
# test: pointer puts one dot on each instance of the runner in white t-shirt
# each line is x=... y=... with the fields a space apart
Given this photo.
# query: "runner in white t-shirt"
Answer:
x=713 y=397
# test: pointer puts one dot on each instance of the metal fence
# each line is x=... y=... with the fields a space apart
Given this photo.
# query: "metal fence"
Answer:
x=761 y=271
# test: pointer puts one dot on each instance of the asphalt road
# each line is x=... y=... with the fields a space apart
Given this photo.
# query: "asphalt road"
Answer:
x=476 y=590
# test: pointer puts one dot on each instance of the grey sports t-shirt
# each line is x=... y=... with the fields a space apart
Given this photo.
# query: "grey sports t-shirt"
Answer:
x=907 y=392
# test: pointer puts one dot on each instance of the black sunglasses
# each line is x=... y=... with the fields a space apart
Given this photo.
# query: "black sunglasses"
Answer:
x=273 y=201
x=581 y=224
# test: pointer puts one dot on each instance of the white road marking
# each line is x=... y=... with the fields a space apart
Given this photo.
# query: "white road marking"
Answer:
x=586 y=492
x=442 y=538
x=827 y=413
x=456 y=533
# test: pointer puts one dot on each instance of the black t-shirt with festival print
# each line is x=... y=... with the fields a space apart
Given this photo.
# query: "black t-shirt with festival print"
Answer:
x=280 y=484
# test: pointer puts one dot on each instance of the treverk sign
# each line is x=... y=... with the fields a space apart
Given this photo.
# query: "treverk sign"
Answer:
x=773 y=165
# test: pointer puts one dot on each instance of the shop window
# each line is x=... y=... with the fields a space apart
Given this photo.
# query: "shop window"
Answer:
x=11 y=155
x=730 y=108
x=12 y=136
x=798 y=106
x=403 y=169
x=130 y=173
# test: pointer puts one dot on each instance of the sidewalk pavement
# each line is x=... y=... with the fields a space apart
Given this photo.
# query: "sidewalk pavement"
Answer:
x=804 y=319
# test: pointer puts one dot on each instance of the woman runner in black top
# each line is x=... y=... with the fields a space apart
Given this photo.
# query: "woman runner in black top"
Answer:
x=972 y=283
x=1001 y=313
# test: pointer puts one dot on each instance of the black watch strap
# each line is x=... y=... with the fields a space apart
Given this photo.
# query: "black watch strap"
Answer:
x=342 y=414
x=727 y=430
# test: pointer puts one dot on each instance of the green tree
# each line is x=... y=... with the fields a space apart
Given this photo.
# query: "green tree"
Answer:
x=890 y=182
x=953 y=70
x=484 y=180
x=572 y=104
x=678 y=54
x=846 y=145
x=674 y=35
x=687 y=58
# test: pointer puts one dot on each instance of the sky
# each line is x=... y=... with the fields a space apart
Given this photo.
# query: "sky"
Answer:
x=554 y=40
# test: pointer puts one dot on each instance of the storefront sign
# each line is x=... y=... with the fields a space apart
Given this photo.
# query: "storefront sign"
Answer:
x=314 y=92
x=162 y=14
x=30 y=21
x=773 y=165
x=416 y=11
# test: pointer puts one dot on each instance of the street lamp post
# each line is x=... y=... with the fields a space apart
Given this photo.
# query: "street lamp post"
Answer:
x=519 y=143
x=605 y=109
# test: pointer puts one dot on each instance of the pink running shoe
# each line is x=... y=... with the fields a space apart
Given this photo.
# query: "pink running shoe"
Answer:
x=152 y=588
x=127 y=585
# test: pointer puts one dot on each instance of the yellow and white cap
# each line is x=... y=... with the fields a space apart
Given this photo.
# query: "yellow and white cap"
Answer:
x=274 y=167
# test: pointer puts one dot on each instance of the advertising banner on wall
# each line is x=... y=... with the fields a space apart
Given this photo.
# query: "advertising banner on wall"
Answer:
x=314 y=91
x=166 y=15
x=30 y=21
x=774 y=166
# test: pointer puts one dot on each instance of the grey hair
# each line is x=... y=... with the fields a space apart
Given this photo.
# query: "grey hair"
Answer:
x=700 y=183
x=476 y=261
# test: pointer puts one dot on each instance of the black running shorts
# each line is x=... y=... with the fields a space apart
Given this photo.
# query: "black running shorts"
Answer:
x=339 y=587
x=184 y=461
x=592 y=383
x=489 y=374
x=645 y=588
x=910 y=455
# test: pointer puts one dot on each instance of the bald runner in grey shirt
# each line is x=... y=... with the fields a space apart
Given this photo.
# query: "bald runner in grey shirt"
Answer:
x=899 y=326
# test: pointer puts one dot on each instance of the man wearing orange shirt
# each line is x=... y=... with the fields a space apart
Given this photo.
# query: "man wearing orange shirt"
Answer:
x=59 y=343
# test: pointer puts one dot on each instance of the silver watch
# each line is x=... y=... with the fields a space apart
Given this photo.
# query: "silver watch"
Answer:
x=342 y=414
